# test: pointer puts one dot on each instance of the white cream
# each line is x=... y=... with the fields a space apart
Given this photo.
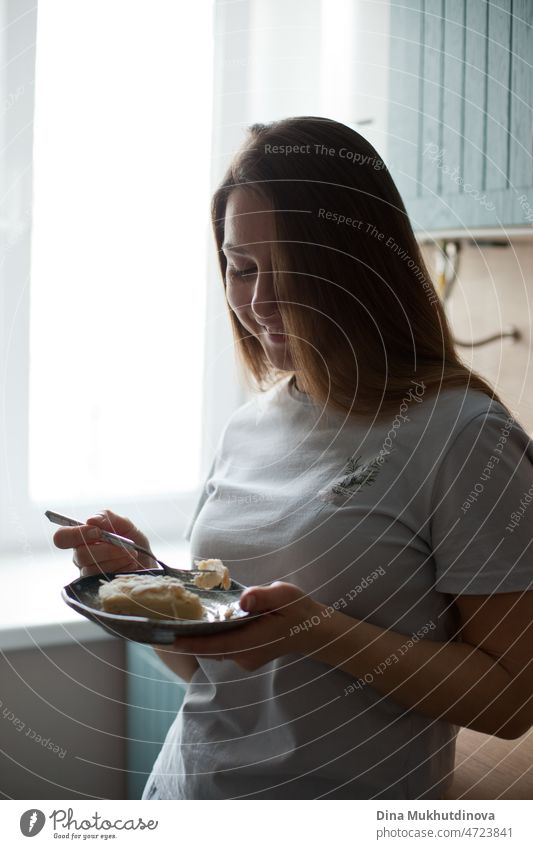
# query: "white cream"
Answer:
x=216 y=575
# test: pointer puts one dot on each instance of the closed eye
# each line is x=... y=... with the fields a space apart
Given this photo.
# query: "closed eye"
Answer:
x=243 y=272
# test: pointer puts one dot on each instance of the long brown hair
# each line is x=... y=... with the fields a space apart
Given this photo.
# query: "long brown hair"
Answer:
x=357 y=302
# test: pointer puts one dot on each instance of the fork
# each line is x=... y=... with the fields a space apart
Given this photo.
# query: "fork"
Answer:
x=125 y=542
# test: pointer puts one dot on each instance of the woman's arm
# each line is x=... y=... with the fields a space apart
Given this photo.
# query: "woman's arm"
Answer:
x=484 y=683
x=183 y=665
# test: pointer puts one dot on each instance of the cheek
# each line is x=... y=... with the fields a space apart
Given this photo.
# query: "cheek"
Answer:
x=238 y=296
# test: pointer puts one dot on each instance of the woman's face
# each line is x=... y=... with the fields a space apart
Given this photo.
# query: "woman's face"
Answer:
x=249 y=236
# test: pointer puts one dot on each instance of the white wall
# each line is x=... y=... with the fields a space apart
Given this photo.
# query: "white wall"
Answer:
x=495 y=290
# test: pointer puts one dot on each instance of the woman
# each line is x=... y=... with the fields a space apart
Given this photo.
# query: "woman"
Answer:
x=365 y=496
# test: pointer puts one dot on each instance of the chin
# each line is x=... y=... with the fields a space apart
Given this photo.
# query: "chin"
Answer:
x=284 y=363
x=278 y=355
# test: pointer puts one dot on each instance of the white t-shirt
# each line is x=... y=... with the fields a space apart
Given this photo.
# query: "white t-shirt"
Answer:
x=384 y=520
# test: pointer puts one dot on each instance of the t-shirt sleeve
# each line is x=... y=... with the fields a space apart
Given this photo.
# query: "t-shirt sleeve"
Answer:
x=200 y=502
x=482 y=509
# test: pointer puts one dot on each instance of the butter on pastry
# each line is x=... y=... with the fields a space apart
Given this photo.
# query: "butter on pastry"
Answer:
x=151 y=596
x=216 y=575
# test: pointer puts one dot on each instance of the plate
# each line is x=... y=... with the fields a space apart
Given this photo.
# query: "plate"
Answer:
x=82 y=596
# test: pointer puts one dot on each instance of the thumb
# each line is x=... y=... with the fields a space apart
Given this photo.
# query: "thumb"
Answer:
x=276 y=597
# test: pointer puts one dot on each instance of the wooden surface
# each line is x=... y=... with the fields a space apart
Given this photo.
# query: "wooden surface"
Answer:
x=490 y=768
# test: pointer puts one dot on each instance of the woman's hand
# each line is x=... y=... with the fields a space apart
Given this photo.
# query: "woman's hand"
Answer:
x=290 y=624
x=92 y=555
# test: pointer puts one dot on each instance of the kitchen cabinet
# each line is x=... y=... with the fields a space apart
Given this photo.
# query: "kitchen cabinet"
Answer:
x=460 y=115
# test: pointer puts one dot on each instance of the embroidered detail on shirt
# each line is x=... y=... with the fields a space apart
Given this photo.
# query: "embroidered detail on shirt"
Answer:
x=355 y=476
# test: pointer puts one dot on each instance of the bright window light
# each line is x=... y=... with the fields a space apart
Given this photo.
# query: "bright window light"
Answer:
x=122 y=153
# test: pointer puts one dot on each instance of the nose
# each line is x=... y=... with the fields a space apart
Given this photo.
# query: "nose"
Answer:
x=264 y=301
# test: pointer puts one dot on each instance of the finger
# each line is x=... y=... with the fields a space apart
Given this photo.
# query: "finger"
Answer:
x=107 y=520
x=277 y=596
x=213 y=647
x=99 y=568
x=72 y=537
x=110 y=521
x=250 y=637
x=102 y=552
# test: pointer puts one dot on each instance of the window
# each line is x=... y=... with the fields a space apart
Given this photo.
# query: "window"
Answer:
x=118 y=368
x=107 y=406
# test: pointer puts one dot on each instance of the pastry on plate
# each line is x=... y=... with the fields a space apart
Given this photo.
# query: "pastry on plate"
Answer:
x=152 y=596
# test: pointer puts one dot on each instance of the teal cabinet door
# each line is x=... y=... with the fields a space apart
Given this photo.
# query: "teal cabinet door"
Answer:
x=154 y=697
x=461 y=111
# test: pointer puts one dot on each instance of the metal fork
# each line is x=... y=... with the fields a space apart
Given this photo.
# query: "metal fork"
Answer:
x=124 y=542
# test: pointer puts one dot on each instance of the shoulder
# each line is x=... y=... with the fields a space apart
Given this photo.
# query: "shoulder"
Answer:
x=478 y=440
x=456 y=406
x=455 y=431
x=479 y=497
x=441 y=416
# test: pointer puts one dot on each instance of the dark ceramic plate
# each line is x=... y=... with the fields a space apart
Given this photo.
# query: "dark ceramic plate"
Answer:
x=82 y=595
